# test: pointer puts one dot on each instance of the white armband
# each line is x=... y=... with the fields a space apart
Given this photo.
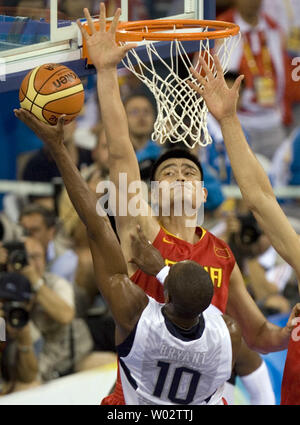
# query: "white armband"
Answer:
x=162 y=275
x=259 y=386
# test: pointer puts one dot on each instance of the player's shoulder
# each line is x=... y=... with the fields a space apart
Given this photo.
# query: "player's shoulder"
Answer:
x=233 y=327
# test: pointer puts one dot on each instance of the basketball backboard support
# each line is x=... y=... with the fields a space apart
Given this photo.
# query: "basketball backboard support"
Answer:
x=31 y=37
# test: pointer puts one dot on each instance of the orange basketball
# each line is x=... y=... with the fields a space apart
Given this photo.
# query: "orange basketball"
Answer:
x=50 y=91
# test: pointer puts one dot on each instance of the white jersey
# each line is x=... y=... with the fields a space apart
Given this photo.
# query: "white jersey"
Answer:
x=158 y=365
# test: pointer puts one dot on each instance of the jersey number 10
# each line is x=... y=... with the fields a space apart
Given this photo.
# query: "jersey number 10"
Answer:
x=164 y=369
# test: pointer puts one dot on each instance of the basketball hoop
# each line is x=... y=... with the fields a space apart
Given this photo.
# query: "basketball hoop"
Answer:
x=181 y=112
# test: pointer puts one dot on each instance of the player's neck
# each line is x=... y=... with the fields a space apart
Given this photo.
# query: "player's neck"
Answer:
x=181 y=227
x=184 y=324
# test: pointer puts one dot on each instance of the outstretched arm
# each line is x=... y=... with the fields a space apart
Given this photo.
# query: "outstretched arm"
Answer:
x=250 y=176
x=109 y=263
x=105 y=55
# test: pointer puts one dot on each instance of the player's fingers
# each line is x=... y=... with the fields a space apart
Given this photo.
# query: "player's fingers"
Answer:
x=237 y=84
x=142 y=236
x=208 y=72
x=218 y=66
x=61 y=122
x=134 y=261
x=30 y=120
x=114 y=25
x=197 y=89
x=23 y=116
x=128 y=47
x=294 y=314
x=89 y=20
x=296 y=310
x=84 y=32
x=198 y=77
x=102 y=17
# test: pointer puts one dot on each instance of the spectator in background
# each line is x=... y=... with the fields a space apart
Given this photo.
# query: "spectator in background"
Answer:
x=8 y=229
x=21 y=4
x=52 y=310
x=223 y=5
x=262 y=58
x=18 y=361
x=74 y=9
x=40 y=223
x=141 y=116
x=67 y=344
x=287 y=14
x=137 y=9
x=248 y=244
x=41 y=167
x=285 y=168
x=285 y=171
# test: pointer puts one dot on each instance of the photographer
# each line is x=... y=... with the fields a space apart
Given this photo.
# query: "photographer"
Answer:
x=52 y=309
x=67 y=344
x=249 y=243
x=18 y=361
x=40 y=223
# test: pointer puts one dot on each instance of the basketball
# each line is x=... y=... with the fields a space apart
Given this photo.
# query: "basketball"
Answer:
x=50 y=91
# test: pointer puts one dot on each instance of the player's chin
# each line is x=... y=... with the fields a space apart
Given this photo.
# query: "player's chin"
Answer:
x=187 y=204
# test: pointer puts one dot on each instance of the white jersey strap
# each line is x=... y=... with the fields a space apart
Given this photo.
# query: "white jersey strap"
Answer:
x=162 y=275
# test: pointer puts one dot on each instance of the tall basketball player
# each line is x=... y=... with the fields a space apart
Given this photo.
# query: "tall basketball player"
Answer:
x=258 y=193
x=169 y=234
x=172 y=353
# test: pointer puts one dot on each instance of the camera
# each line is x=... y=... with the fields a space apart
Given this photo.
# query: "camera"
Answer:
x=243 y=243
x=250 y=231
x=15 y=314
x=17 y=255
x=15 y=293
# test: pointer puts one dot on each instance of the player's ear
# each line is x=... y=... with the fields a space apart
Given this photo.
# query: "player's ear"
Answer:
x=205 y=193
x=166 y=296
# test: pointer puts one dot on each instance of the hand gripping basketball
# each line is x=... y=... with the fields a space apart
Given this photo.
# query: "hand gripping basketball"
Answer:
x=53 y=136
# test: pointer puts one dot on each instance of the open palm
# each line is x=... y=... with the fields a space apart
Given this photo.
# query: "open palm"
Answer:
x=220 y=100
x=103 y=49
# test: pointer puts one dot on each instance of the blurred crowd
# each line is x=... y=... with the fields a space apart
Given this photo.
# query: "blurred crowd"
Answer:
x=57 y=322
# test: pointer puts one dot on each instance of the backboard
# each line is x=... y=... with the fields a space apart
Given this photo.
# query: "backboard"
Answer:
x=30 y=37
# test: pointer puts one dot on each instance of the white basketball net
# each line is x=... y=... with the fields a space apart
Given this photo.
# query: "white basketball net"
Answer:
x=181 y=112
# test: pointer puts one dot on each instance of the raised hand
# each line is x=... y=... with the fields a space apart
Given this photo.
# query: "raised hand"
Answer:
x=102 y=46
x=220 y=100
x=146 y=257
x=52 y=136
x=294 y=318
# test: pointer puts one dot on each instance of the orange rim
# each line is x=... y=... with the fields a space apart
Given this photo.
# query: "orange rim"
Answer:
x=150 y=30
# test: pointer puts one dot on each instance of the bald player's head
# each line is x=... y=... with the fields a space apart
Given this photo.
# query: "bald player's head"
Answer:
x=189 y=288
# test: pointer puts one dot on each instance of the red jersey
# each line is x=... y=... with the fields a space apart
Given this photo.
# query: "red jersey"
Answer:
x=290 y=388
x=213 y=254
